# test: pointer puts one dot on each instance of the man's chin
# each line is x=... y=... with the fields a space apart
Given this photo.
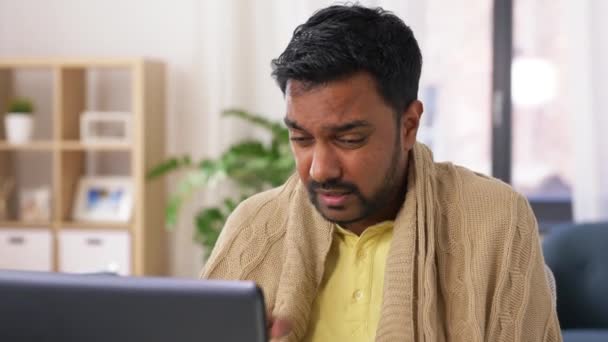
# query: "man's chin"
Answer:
x=338 y=215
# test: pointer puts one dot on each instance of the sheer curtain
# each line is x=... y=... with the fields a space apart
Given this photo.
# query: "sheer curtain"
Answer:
x=236 y=42
x=587 y=79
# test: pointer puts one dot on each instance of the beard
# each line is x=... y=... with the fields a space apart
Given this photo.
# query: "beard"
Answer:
x=368 y=205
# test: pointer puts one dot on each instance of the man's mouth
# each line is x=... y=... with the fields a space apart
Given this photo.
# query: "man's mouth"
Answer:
x=333 y=199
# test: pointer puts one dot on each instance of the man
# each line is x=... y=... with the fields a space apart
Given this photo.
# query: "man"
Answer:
x=372 y=240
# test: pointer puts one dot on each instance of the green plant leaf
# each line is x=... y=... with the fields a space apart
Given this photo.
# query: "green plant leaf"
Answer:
x=190 y=183
x=230 y=205
x=209 y=223
x=251 y=164
x=168 y=166
x=21 y=105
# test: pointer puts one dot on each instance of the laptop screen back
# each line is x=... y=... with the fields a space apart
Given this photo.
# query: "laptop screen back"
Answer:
x=60 y=307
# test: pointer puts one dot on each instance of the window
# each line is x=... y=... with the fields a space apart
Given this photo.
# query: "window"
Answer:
x=456 y=40
x=532 y=145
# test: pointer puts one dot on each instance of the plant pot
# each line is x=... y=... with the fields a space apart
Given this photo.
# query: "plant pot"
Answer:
x=18 y=127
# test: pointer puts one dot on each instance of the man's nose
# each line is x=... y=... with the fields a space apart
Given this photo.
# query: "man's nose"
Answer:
x=325 y=165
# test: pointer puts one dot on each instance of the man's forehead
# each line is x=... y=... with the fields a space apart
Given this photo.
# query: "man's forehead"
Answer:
x=328 y=100
x=356 y=84
x=347 y=101
x=299 y=87
x=324 y=113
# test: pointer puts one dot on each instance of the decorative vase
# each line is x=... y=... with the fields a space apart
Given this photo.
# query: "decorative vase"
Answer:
x=18 y=127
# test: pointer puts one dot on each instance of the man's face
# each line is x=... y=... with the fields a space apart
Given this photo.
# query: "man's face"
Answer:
x=350 y=151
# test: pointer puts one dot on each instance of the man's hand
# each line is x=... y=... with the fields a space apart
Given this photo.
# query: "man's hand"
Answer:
x=277 y=327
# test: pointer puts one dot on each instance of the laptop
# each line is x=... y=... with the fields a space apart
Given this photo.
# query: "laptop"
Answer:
x=40 y=306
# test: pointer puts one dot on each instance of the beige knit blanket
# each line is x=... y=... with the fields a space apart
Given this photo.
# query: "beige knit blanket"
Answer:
x=465 y=263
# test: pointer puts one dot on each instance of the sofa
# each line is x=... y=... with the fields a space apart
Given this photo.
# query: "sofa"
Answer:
x=577 y=254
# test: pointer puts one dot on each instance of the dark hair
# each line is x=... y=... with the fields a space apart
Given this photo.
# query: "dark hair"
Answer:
x=341 y=40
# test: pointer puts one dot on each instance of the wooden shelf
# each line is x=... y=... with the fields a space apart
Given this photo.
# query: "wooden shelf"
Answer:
x=27 y=64
x=69 y=157
x=25 y=224
x=94 y=225
x=65 y=224
x=80 y=146
x=30 y=146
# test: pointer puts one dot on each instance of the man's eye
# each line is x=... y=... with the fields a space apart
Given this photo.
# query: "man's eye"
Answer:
x=351 y=141
x=301 y=140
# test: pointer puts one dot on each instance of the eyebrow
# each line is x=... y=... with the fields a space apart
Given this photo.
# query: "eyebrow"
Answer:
x=334 y=128
x=292 y=124
x=349 y=125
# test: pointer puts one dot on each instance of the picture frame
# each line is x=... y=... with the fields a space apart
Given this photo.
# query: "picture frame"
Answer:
x=98 y=127
x=104 y=199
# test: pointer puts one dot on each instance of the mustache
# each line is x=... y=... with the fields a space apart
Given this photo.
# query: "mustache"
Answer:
x=332 y=185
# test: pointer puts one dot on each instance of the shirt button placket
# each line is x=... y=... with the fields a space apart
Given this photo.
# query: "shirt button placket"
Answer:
x=361 y=255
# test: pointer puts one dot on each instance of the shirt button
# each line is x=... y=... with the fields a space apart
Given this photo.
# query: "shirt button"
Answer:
x=362 y=254
x=358 y=295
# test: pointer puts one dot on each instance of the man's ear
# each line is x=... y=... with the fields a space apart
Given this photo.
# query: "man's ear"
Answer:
x=410 y=121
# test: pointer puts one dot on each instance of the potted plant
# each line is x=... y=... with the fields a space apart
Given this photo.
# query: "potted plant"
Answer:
x=18 y=122
x=251 y=164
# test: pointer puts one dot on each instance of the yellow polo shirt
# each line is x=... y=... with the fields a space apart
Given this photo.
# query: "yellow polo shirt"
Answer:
x=347 y=307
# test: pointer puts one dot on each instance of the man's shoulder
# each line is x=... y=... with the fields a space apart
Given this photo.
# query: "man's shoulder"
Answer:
x=458 y=183
x=251 y=229
x=480 y=212
x=260 y=214
x=270 y=203
x=483 y=202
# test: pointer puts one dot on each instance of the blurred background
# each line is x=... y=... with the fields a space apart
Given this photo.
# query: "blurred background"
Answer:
x=514 y=89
